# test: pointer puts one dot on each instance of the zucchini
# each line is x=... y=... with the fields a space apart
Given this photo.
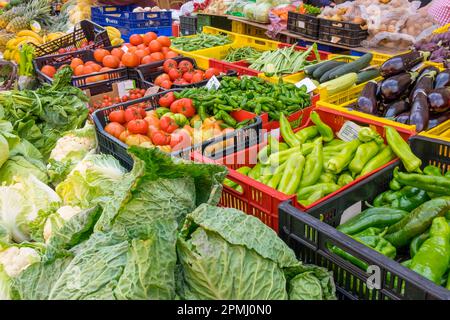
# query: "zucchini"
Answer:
x=325 y=67
x=367 y=75
x=339 y=84
x=326 y=76
x=352 y=67
x=309 y=70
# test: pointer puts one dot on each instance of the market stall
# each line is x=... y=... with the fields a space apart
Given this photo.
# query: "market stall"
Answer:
x=224 y=163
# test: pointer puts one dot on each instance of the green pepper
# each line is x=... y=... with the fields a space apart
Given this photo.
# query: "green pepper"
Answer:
x=334 y=143
x=432 y=171
x=276 y=177
x=327 y=177
x=306 y=133
x=402 y=150
x=315 y=196
x=381 y=200
x=417 y=221
x=244 y=170
x=434 y=184
x=325 y=188
x=278 y=158
x=292 y=174
x=378 y=217
x=313 y=165
x=287 y=133
x=344 y=179
x=383 y=157
x=409 y=198
x=325 y=131
x=417 y=242
x=364 y=154
x=229 y=183
x=339 y=162
x=255 y=173
x=433 y=257
x=367 y=134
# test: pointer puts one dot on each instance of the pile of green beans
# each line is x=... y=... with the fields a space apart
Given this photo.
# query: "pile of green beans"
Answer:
x=200 y=41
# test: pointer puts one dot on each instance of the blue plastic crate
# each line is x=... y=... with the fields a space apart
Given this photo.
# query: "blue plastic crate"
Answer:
x=122 y=16
x=161 y=31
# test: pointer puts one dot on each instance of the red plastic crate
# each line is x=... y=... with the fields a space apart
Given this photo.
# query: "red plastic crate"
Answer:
x=262 y=201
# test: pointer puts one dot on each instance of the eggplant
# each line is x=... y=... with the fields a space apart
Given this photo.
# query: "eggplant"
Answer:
x=442 y=79
x=396 y=108
x=428 y=69
x=403 y=117
x=367 y=101
x=402 y=63
x=439 y=100
x=395 y=87
x=438 y=119
x=424 y=82
x=420 y=112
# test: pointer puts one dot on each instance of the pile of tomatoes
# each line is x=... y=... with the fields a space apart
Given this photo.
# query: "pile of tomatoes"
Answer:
x=182 y=73
x=109 y=101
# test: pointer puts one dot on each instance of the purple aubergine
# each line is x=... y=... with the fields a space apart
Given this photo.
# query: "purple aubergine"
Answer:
x=403 y=117
x=439 y=100
x=401 y=63
x=395 y=87
x=442 y=79
x=438 y=119
x=428 y=69
x=367 y=101
x=396 y=108
x=420 y=112
x=424 y=82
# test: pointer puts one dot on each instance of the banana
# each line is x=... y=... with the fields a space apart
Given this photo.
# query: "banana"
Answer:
x=54 y=35
x=29 y=33
x=15 y=55
x=11 y=44
x=7 y=55
x=26 y=40
x=113 y=32
x=116 y=42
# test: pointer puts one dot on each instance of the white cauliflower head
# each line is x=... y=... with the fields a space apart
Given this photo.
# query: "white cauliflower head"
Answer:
x=16 y=259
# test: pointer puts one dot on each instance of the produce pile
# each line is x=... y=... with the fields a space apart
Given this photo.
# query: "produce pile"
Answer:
x=312 y=163
x=145 y=234
x=410 y=222
x=200 y=41
x=242 y=53
x=416 y=98
x=337 y=76
x=439 y=46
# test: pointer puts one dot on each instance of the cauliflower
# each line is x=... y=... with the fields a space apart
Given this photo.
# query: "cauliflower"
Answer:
x=16 y=259
x=72 y=145
x=57 y=220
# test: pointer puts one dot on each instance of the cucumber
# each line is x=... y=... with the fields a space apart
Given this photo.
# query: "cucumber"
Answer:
x=325 y=67
x=367 y=75
x=354 y=66
x=339 y=84
x=326 y=76
x=310 y=69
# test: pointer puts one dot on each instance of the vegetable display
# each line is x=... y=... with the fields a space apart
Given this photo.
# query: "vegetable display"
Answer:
x=200 y=41
x=145 y=238
x=242 y=53
x=416 y=98
x=439 y=46
x=312 y=163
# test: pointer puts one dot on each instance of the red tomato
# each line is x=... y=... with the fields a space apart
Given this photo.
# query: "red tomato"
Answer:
x=160 y=138
x=211 y=72
x=165 y=41
x=167 y=99
x=155 y=46
x=166 y=84
x=132 y=113
x=184 y=106
x=124 y=135
x=115 y=129
x=117 y=116
x=174 y=74
x=188 y=76
x=168 y=124
x=162 y=77
x=149 y=36
x=197 y=77
x=138 y=126
x=136 y=39
x=143 y=112
x=152 y=121
x=185 y=66
x=130 y=60
x=169 y=64
x=171 y=55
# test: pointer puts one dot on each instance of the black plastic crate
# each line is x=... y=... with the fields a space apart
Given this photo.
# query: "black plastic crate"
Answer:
x=345 y=33
x=219 y=22
x=308 y=234
x=304 y=24
x=82 y=82
x=85 y=31
x=150 y=71
x=188 y=25
x=111 y=145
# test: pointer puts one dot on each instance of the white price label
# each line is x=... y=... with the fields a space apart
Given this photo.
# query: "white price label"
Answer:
x=335 y=39
x=124 y=86
x=213 y=83
x=124 y=49
x=151 y=90
x=349 y=131
x=301 y=24
x=307 y=82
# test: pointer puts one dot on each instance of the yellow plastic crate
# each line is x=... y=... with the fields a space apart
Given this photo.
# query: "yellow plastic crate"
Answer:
x=441 y=132
x=442 y=29
x=379 y=58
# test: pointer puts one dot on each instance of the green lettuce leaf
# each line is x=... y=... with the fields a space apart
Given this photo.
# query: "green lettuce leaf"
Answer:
x=19 y=166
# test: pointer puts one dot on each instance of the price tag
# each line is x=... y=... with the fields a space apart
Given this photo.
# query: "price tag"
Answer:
x=213 y=83
x=307 y=82
x=301 y=24
x=124 y=86
x=124 y=49
x=151 y=90
x=349 y=131
x=335 y=39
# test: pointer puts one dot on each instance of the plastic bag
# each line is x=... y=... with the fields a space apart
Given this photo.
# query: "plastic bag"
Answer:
x=278 y=18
